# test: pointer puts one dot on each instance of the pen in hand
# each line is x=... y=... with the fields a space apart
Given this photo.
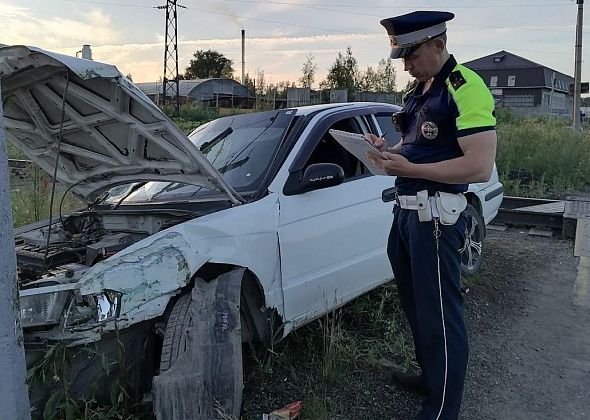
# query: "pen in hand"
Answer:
x=379 y=155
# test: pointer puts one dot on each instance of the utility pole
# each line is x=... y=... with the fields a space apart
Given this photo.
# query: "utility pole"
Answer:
x=578 y=70
x=170 y=83
x=14 y=397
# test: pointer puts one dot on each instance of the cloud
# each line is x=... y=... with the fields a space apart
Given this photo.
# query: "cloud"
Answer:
x=11 y=11
x=274 y=56
x=21 y=26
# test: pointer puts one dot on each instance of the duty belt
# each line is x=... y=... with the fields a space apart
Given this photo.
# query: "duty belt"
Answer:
x=410 y=202
x=444 y=206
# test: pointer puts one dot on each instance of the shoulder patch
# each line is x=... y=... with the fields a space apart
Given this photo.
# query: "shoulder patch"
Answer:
x=457 y=80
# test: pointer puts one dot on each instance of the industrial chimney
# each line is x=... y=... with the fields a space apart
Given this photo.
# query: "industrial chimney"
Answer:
x=243 y=56
x=86 y=52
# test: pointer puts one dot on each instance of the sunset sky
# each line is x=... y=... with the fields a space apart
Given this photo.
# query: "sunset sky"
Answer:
x=130 y=34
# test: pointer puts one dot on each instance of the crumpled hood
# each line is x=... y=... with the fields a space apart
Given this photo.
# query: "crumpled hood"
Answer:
x=112 y=133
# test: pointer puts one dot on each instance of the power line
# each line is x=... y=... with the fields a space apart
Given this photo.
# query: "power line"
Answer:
x=216 y=12
x=313 y=6
x=102 y=3
x=307 y=26
x=317 y=7
x=267 y=20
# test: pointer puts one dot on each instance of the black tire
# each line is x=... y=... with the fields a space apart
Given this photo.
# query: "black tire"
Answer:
x=472 y=256
x=178 y=323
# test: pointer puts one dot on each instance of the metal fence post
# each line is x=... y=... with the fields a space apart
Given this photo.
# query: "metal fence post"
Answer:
x=14 y=398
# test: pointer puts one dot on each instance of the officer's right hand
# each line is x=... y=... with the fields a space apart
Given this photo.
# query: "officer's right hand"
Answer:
x=378 y=142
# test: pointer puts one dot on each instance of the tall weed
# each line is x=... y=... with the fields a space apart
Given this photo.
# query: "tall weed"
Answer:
x=541 y=157
x=30 y=197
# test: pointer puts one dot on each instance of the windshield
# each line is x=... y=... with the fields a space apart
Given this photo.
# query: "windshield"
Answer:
x=240 y=147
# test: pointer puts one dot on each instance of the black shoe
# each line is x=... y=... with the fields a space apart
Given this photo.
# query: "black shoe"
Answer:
x=409 y=382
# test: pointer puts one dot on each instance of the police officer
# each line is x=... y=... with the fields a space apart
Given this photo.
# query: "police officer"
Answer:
x=447 y=127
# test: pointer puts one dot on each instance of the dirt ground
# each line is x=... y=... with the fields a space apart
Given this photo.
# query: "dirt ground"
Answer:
x=529 y=348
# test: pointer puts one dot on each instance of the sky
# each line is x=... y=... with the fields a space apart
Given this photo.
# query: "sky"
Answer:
x=280 y=33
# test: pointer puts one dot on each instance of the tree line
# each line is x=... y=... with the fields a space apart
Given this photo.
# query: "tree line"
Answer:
x=344 y=73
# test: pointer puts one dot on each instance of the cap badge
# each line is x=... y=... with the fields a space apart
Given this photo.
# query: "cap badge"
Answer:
x=429 y=130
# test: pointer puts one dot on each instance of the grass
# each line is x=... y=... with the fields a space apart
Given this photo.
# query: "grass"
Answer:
x=55 y=368
x=319 y=357
x=541 y=157
x=13 y=152
x=31 y=197
x=191 y=116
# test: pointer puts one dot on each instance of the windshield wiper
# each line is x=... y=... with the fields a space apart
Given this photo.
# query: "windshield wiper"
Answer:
x=131 y=191
x=216 y=139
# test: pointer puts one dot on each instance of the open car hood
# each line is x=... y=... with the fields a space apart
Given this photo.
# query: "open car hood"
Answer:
x=112 y=133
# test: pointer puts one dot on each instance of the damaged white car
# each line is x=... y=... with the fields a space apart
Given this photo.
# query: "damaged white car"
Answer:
x=249 y=228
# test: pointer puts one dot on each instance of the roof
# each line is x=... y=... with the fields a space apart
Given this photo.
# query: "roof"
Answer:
x=185 y=87
x=505 y=60
x=530 y=74
x=308 y=109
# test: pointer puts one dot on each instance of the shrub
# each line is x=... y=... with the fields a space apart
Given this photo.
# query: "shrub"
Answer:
x=541 y=157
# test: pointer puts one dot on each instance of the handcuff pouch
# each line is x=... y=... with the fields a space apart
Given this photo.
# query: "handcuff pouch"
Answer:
x=449 y=206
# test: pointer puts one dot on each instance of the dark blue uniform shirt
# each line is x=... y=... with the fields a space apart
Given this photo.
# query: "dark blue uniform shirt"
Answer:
x=457 y=104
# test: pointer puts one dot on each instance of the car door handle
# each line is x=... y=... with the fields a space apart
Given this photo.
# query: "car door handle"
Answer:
x=389 y=194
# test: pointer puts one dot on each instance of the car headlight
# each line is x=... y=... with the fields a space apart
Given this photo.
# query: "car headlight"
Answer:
x=43 y=309
x=95 y=308
x=108 y=305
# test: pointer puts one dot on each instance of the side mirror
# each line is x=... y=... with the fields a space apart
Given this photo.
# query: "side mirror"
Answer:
x=315 y=177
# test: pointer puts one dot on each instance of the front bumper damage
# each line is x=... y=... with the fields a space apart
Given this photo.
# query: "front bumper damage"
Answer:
x=145 y=278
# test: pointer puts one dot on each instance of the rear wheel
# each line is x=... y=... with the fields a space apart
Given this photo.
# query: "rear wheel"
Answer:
x=472 y=256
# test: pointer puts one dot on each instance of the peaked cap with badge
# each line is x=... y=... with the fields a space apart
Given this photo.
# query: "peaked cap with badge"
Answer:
x=407 y=32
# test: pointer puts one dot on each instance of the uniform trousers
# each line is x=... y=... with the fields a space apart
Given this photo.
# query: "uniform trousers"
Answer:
x=434 y=307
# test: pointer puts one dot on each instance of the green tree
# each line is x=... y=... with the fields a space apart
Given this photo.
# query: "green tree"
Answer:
x=260 y=83
x=381 y=80
x=343 y=74
x=308 y=71
x=281 y=88
x=368 y=80
x=249 y=82
x=207 y=64
x=386 y=76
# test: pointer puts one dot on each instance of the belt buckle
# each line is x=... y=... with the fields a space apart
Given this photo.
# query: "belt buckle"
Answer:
x=396 y=195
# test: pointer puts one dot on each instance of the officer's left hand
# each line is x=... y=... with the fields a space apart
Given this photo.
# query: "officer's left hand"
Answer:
x=394 y=164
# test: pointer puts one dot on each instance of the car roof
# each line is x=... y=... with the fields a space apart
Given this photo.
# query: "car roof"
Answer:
x=306 y=110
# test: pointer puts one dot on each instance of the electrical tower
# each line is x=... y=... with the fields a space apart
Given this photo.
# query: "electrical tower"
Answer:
x=170 y=84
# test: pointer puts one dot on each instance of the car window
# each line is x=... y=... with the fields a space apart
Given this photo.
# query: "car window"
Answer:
x=240 y=147
x=328 y=150
x=386 y=124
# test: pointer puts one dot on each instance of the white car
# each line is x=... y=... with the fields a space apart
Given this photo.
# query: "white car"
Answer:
x=251 y=227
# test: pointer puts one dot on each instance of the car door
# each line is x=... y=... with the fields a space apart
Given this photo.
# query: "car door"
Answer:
x=333 y=240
